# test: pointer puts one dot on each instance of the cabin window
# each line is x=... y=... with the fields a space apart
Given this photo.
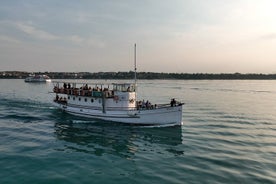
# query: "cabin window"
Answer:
x=68 y=97
x=85 y=99
x=79 y=98
x=74 y=98
x=124 y=87
x=92 y=100
x=100 y=101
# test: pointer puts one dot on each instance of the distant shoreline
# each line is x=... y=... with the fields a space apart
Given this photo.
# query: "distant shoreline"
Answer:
x=140 y=75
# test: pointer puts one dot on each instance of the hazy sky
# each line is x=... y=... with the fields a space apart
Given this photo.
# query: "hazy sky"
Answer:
x=212 y=36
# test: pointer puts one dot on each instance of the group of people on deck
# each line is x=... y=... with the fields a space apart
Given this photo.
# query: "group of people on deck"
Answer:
x=85 y=90
x=145 y=105
x=62 y=100
x=148 y=105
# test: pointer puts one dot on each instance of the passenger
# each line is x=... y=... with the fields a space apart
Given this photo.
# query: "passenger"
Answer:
x=69 y=90
x=143 y=104
x=57 y=97
x=147 y=104
x=173 y=102
x=109 y=94
x=56 y=89
x=139 y=104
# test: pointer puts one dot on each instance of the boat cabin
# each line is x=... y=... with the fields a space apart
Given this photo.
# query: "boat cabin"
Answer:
x=115 y=95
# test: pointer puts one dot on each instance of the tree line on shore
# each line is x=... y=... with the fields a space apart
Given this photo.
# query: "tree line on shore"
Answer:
x=140 y=75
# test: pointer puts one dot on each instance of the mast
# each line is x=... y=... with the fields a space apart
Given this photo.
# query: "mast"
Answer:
x=135 y=68
x=135 y=75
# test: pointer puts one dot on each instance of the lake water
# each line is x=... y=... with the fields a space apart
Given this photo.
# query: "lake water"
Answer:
x=228 y=136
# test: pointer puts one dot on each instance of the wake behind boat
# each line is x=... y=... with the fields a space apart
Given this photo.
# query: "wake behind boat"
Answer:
x=115 y=102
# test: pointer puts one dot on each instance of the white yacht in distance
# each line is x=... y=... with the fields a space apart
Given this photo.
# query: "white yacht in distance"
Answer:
x=114 y=102
x=38 y=78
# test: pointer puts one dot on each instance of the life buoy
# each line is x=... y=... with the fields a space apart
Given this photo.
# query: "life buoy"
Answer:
x=116 y=98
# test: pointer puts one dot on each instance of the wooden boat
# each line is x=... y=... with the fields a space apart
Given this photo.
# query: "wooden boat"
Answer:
x=115 y=102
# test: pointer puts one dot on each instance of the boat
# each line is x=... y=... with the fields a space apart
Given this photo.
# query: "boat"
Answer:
x=116 y=102
x=38 y=78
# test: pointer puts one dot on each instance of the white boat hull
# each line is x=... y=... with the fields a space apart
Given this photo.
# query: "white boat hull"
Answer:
x=38 y=79
x=158 y=116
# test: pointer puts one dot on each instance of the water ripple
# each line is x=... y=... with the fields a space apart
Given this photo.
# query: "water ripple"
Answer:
x=227 y=136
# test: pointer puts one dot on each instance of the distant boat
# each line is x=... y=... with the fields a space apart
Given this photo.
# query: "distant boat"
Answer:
x=114 y=102
x=38 y=78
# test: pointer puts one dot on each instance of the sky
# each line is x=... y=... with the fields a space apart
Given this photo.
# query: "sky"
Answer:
x=182 y=36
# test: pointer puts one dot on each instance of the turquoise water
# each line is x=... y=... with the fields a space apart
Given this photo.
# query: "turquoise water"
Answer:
x=228 y=136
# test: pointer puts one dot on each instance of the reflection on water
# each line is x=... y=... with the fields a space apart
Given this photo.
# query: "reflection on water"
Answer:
x=98 y=138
